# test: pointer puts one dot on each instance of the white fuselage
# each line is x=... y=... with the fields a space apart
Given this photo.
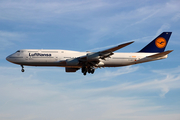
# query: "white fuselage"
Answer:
x=35 y=57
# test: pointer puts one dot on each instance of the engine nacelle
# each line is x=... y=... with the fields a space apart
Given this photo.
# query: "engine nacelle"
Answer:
x=93 y=56
x=100 y=64
x=72 y=62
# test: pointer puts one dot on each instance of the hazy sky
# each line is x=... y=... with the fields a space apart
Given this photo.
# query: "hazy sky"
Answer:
x=141 y=92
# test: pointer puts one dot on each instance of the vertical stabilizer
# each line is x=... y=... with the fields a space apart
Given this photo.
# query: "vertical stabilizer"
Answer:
x=158 y=44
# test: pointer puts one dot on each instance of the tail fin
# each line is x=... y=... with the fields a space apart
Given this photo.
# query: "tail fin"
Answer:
x=158 y=44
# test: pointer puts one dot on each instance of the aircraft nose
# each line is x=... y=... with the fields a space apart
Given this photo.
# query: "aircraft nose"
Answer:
x=8 y=58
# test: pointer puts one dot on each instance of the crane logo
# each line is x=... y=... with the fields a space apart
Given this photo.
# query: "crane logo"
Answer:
x=160 y=42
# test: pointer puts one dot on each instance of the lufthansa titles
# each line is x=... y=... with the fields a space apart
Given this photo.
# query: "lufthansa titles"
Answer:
x=39 y=54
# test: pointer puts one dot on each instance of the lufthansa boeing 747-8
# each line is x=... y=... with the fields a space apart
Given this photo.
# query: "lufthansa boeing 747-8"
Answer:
x=89 y=61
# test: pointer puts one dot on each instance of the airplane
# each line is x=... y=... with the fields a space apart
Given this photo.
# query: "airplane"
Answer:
x=89 y=61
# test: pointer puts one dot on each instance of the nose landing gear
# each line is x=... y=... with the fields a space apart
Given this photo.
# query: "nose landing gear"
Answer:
x=22 y=70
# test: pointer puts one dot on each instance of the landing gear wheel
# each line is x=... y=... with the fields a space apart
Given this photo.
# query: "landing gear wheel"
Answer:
x=89 y=70
x=22 y=70
x=84 y=73
x=92 y=71
x=83 y=69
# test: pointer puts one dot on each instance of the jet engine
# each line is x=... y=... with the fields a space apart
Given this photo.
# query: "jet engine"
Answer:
x=100 y=64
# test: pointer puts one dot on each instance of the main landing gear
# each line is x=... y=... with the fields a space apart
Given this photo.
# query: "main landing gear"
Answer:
x=88 y=69
x=22 y=70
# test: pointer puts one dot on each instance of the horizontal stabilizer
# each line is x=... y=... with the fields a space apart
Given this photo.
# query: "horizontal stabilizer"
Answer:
x=160 y=54
x=153 y=57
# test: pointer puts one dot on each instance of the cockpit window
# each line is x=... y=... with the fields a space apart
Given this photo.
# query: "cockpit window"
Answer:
x=18 y=51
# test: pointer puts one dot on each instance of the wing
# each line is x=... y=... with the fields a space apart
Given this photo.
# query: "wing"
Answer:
x=91 y=60
x=103 y=54
x=116 y=47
